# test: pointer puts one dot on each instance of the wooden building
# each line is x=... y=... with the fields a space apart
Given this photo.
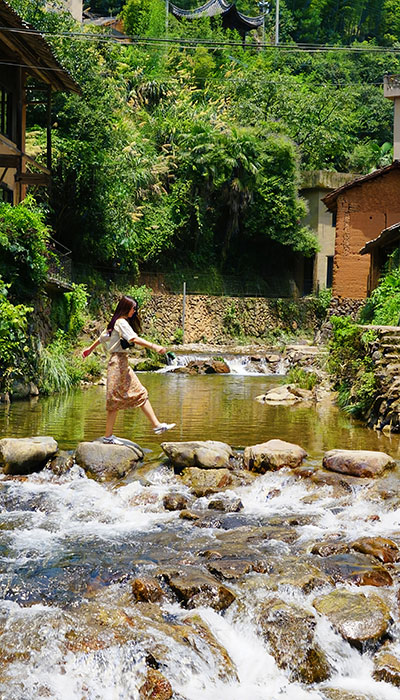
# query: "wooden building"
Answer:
x=29 y=72
x=361 y=210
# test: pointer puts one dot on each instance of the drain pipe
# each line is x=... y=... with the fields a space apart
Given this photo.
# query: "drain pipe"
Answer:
x=183 y=312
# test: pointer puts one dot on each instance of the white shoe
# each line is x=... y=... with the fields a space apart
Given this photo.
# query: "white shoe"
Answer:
x=112 y=440
x=163 y=427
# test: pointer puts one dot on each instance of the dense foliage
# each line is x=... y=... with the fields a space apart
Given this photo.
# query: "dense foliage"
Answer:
x=350 y=365
x=383 y=306
x=23 y=251
x=191 y=156
x=15 y=345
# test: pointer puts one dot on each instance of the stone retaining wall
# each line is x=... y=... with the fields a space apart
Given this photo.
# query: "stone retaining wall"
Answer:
x=220 y=319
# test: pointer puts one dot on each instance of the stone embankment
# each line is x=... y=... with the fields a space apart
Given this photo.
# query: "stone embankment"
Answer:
x=385 y=352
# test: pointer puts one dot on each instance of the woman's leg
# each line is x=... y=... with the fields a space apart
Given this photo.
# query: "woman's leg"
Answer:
x=148 y=411
x=111 y=416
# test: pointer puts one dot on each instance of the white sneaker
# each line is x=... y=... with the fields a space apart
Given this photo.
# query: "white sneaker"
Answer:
x=112 y=440
x=163 y=427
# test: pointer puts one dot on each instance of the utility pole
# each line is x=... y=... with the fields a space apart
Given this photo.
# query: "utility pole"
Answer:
x=166 y=16
x=264 y=7
x=277 y=23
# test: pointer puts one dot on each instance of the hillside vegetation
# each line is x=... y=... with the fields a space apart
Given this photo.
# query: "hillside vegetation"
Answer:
x=191 y=155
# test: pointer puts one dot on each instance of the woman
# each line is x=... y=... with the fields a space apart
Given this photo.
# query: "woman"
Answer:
x=124 y=389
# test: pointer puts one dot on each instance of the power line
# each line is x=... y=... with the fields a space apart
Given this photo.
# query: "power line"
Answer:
x=181 y=42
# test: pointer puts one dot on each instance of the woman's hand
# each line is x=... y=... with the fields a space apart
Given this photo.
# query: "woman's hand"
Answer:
x=160 y=349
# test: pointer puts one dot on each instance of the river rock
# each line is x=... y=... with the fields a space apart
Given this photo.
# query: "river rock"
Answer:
x=326 y=548
x=359 y=569
x=358 y=618
x=279 y=395
x=379 y=547
x=188 y=515
x=203 y=367
x=146 y=589
x=176 y=501
x=103 y=462
x=340 y=694
x=358 y=462
x=227 y=505
x=387 y=666
x=62 y=463
x=155 y=687
x=273 y=455
x=206 y=454
x=202 y=482
x=289 y=631
x=26 y=455
x=230 y=569
x=194 y=588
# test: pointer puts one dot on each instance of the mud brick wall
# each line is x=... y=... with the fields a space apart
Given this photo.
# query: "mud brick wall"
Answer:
x=363 y=211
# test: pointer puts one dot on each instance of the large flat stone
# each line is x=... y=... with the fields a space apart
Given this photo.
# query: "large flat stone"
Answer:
x=365 y=463
x=273 y=455
x=26 y=455
x=103 y=462
x=203 y=454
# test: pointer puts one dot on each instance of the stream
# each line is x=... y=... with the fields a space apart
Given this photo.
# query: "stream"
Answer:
x=70 y=628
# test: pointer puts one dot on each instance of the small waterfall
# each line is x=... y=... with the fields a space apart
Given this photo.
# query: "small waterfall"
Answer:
x=243 y=365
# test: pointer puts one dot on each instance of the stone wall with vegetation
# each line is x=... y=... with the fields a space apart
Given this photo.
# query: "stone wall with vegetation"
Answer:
x=210 y=319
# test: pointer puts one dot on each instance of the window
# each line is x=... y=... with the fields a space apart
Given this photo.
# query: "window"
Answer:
x=6 y=195
x=5 y=112
x=329 y=271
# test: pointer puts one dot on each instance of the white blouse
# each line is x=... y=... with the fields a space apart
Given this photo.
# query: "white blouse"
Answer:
x=111 y=341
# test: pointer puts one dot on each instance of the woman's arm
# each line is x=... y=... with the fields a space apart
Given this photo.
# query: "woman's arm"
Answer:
x=151 y=346
x=90 y=349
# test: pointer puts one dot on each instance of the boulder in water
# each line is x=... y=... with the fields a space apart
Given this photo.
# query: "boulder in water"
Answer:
x=357 y=617
x=202 y=482
x=155 y=687
x=364 y=463
x=387 y=666
x=355 y=568
x=194 y=588
x=103 y=462
x=273 y=455
x=26 y=455
x=340 y=694
x=289 y=631
x=177 y=501
x=203 y=454
x=227 y=505
x=146 y=589
x=379 y=547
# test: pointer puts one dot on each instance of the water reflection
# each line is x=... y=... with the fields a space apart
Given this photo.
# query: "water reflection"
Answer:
x=204 y=407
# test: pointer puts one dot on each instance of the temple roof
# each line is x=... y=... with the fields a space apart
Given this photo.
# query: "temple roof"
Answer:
x=231 y=17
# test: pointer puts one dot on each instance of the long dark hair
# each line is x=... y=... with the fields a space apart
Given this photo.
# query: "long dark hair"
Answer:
x=124 y=306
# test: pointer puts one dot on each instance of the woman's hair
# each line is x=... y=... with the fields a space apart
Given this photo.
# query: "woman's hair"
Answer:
x=124 y=306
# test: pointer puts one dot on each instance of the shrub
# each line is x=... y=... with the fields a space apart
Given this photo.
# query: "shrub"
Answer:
x=23 y=251
x=67 y=313
x=350 y=365
x=302 y=378
x=16 y=350
x=383 y=306
x=232 y=323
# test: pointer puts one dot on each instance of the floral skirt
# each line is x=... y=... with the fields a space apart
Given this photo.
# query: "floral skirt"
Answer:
x=123 y=387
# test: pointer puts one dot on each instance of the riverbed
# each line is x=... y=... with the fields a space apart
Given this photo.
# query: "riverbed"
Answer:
x=69 y=626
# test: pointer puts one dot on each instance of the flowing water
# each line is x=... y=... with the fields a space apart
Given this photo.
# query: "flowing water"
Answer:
x=69 y=627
